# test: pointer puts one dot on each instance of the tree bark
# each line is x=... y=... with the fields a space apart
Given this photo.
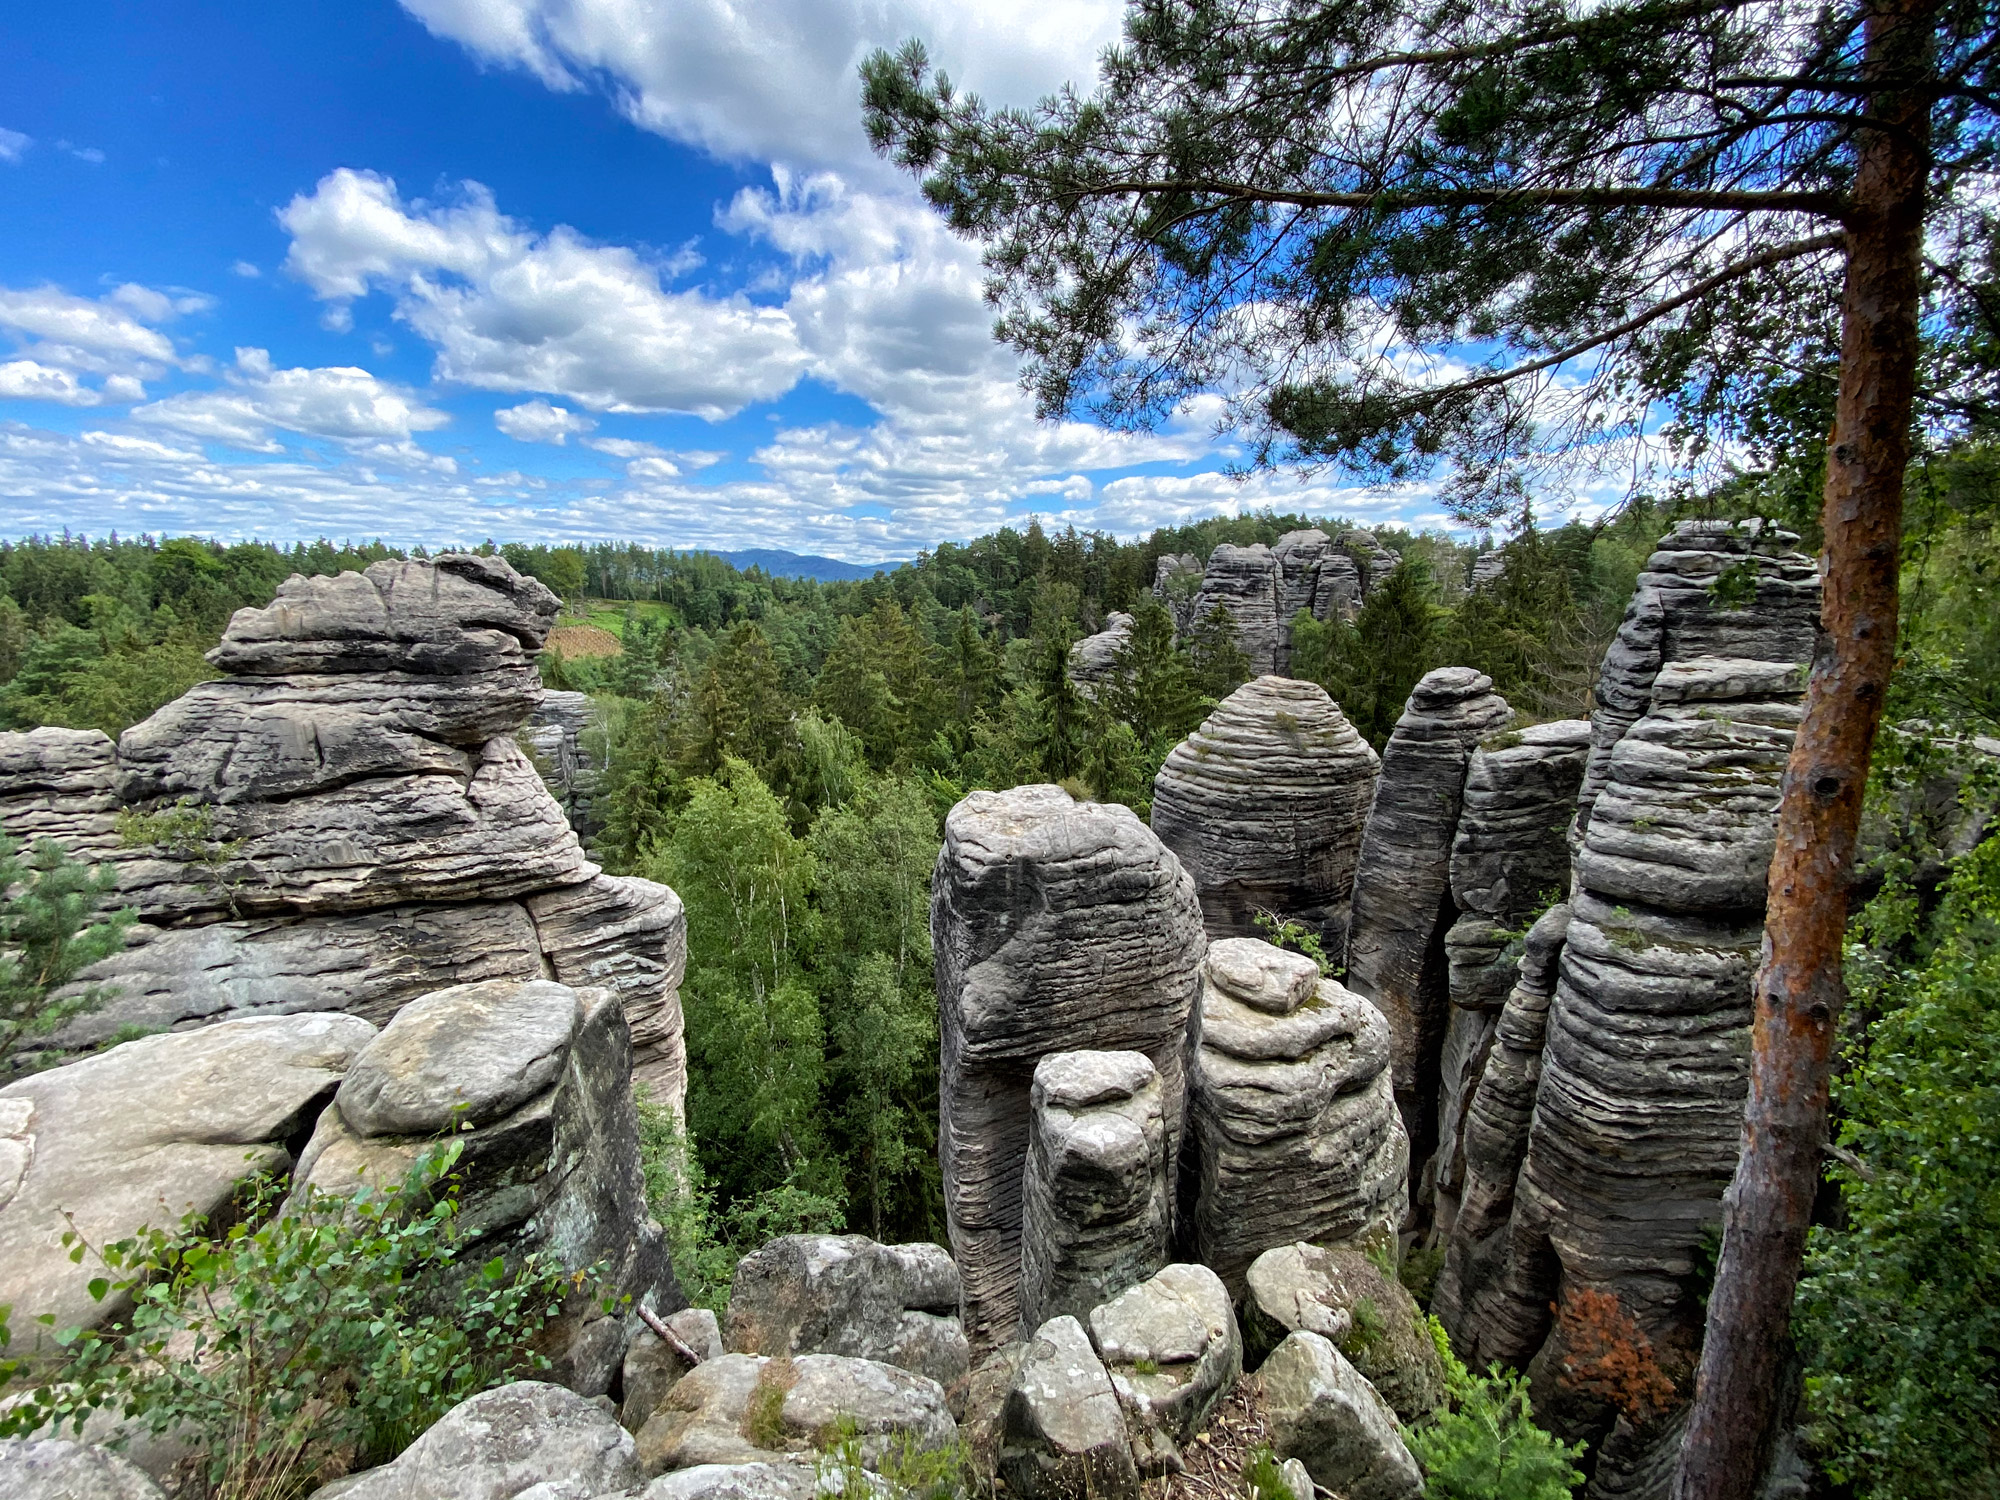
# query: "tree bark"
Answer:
x=1798 y=988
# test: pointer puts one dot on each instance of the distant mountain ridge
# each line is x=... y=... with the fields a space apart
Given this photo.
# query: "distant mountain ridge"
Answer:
x=780 y=564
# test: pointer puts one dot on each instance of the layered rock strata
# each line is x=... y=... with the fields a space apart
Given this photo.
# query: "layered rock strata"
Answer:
x=1096 y=1201
x=531 y=1080
x=553 y=738
x=345 y=821
x=1093 y=661
x=1402 y=905
x=1264 y=804
x=1293 y=1129
x=1057 y=926
x=1509 y=862
x=1261 y=588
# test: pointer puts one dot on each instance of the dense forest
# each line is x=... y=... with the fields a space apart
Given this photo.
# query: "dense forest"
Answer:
x=782 y=753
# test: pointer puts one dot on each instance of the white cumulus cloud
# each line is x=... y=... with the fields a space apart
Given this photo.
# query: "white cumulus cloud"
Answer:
x=28 y=380
x=13 y=144
x=538 y=422
x=339 y=402
x=775 y=81
x=510 y=310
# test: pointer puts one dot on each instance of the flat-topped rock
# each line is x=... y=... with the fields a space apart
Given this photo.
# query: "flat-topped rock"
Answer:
x=1264 y=804
x=1097 y=1208
x=1058 y=926
x=1171 y=1347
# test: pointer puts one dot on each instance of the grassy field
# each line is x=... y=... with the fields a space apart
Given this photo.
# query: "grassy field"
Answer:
x=609 y=614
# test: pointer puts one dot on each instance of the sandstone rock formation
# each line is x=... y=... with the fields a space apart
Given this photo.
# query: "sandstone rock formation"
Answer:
x=1509 y=861
x=1057 y=925
x=343 y=821
x=1097 y=1204
x=1062 y=1429
x=553 y=738
x=747 y=1408
x=144 y=1134
x=1293 y=1130
x=1402 y=887
x=1264 y=804
x=1177 y=584
x=550 y=1163
x=845 y=1294
x=1323 y=1413
x=1171 y=1348
x=507 y=1441
x=653 y=1366
x=1094 y=659
x=55 y=1469
x=1348 y=1300
x=1261 y=588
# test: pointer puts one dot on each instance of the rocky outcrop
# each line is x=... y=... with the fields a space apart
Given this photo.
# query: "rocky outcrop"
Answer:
x=845 y=1294
x=1062 y=1429
x=145 y=1134
x=1293 y=1130
x=1323 y=1413
x=653 y=1366
x=526 y=1437
x=1057 y=926
x=1097 y=1207
x=1093 y=661
x=1711 y=589
x=54 y=1469
x=1509 y=862
x=1402 y=905
x=345 y=821
x=1177 y=584
x=532 y=1079
x=1347 y=1299
x=1261 y=588
x=553 y=739
x=1264 y=804
x=1171 y=1348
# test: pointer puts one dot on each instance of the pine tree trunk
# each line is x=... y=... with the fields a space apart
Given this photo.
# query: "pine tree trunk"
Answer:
x=1798 y=987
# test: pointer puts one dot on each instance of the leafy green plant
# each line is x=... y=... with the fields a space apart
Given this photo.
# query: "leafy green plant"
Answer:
x=184 y=830
x=912 y=1471
x=1483 y=1444
x=1264 y=1479
x=1282 y=932
x=52 y=927
x=308 y=1337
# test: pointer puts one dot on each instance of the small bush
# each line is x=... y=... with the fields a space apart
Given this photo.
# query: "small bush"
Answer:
x=910 y=1470
x=1484 y=1444
x=302 y=1341
x=52 y=927
x=1264 y=1479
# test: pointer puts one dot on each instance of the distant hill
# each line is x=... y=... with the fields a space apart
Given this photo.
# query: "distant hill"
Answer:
x=792 y=565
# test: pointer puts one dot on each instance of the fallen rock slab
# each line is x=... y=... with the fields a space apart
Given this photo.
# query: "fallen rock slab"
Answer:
x=1347 y=1299
x=1063 y=1430
x=1323 y=1413
x=1172 y=1350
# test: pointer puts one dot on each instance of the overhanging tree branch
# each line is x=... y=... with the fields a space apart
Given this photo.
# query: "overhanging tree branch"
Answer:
x=1721 y=200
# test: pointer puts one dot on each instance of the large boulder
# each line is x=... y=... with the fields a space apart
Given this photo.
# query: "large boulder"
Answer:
x=1172 y=1350
x=1345 y=1298
x=747 y=1408
x=845 y=1294
x=653 y=1366
x=145 y=1134
x=504 y=1442
x=344 y=821
x=1264 y=804
x=1322 y=1412
x=1293 y=1131
x=1057 y=925
x=1097 y=1206
x=1062 y=1429
x=54 y=1469
x=535 y=1081
x=1402 y=887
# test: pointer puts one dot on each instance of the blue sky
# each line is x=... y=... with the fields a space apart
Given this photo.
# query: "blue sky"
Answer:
x=529 y=269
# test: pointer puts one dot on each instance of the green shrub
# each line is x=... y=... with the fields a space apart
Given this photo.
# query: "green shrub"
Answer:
x=1898 y=1313
x=1484 y=1444
x=913 y=1471
x=51 y=929
x=304 y=1339
x=1264 y=1479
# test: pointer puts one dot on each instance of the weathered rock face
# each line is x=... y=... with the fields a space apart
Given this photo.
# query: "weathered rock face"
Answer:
x=1261 y=588
x=344 y=821
x=1509 y=860
x=1323 y=1413
x=1293 y=1130
x=1057 y=926
x=1097 y=1210
x=653 y=1366
x=1264 y=804
x=551 y=1163
x=1062 y=1429
x=144 y=1134
x=1094 y=659
x=506 y=1441
x=553 y=737
x=1402 y=888
x=1171 y=1348
x=1769 y=611
x=746 y=1408
x=845 y=1294
x=1345 y=1298
x=53 y=1469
